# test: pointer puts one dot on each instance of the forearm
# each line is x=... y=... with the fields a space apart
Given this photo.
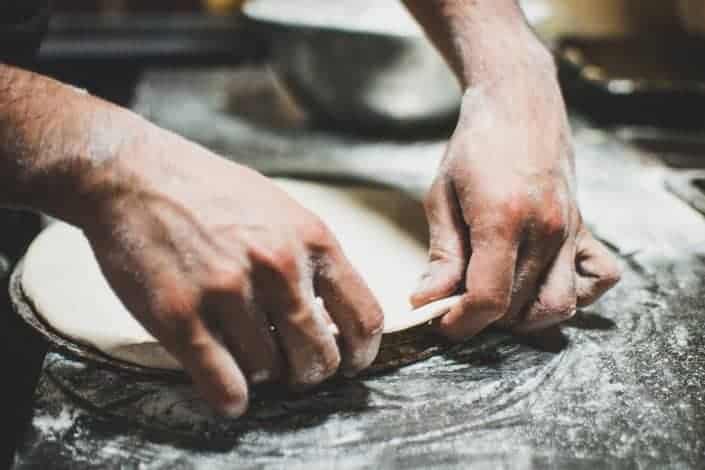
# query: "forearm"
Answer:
x=482 y=40
x=52 y=137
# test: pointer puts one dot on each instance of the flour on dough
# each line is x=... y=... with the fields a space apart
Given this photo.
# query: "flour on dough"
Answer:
x=382 y=232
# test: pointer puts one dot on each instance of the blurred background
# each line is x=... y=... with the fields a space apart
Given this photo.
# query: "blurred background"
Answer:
x=158 y=6
x=631 y=62
x=278 y=80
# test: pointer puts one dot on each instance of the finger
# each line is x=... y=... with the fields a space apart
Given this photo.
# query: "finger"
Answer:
x=354 y=309
x=556 y=300
x=597 y=268
x=532 y=266
x=246 y=333
x=303 y=331
x=173 y=319
x=448 y=246
x=212 y=368
x=489 y=281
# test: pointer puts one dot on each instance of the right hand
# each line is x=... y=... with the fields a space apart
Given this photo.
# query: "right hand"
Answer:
x=224 y=268
x=506 y=230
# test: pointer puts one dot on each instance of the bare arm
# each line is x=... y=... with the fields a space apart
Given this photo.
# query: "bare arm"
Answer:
x=53 y=138
x=505 y=226
x=205 y=253
x=482 y=40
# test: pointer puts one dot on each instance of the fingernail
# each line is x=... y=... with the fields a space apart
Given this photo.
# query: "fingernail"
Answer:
x=334 y=330
x=235 y=410
x=260 y=376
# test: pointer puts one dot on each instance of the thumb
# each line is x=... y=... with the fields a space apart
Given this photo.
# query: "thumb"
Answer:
x=448 y=246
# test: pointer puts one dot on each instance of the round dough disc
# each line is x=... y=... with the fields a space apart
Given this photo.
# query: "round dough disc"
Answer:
x=382 y=232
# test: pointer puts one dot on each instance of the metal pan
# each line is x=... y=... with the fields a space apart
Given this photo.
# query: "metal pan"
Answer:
x=626 y=62
x=354 y=73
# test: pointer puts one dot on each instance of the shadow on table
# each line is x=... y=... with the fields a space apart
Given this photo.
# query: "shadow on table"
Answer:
x=551 y=340
x=502 y=370
x=184 y=421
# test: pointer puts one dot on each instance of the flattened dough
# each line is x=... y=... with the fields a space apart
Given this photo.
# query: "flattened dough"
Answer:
x=382 y=232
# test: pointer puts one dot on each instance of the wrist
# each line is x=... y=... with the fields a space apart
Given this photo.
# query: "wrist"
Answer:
x=54 y=139
x=492 y=41
x=483 y=41
x=113 y=171
x=513 y=53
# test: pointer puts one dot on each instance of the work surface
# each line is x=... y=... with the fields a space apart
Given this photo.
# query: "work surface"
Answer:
x=622 y=386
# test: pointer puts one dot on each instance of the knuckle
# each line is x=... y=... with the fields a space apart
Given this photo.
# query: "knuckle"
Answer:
x=280 y=258
x=298 y=316
x=445 y=267
x=284 y=260
x=371 y=323
x=496 y=302
x=493 y=230
x=445 y=248
x=513 y=207
x=171 y=294
x=565 y=311
x=315 y=370
x=318 y=236
x=546 y=313
x=553 y=226
x=560 y=309
x=184 y=335
x=227 y=278
x=505 y=220
x=176 y=314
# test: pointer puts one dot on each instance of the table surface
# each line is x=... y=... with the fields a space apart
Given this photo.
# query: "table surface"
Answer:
x=621 y=385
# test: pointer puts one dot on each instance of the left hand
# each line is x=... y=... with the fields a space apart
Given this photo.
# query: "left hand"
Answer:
x=505 y=226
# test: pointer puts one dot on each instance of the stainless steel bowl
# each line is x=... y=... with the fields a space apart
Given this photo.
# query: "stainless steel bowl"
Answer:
x=362 y=65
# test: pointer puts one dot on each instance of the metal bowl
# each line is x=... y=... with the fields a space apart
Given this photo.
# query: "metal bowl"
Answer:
x=361 y=65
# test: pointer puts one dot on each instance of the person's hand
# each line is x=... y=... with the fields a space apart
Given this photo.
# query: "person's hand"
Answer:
x=504 y=223
x=224 y=269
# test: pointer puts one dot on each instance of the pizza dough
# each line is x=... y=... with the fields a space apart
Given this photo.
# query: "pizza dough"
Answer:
x=382 y=232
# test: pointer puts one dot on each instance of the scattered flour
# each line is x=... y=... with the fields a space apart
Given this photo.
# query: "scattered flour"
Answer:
x=50 y=426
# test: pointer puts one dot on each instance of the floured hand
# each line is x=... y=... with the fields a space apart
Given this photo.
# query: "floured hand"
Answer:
x=224 y=269
x=505 y=226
